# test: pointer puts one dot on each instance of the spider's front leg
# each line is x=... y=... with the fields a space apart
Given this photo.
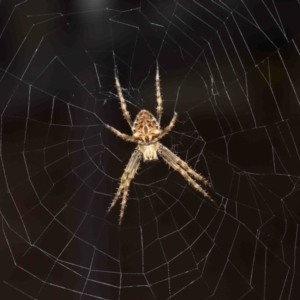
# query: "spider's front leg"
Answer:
x=185 y=170
x=126 y=179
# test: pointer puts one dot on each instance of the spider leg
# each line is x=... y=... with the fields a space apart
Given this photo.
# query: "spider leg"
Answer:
x=120 y=189
x=131 y=175
x=159 y=107
x=185 y=166
x=182 y=167
x=123 y=136
x=126 y=179
x=169 y=127
x=126 y=114
x=124 y=200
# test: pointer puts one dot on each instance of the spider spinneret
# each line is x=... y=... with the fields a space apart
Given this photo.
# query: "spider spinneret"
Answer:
x=146 y=134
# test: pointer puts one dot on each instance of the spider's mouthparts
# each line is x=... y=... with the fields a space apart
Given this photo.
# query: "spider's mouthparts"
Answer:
x=148 y=160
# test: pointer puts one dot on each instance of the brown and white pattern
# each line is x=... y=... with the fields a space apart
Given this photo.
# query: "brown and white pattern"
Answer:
x=146 y=134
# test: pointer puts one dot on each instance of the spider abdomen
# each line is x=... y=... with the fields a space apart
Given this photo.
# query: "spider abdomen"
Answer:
x=145 y=127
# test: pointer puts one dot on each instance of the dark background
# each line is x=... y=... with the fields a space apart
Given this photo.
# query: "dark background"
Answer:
x=230 y=69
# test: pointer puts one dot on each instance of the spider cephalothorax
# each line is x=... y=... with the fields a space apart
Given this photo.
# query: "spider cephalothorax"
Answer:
x=146 y=134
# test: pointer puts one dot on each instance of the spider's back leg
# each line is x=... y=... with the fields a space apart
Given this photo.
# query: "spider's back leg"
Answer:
x=125 y=112
x=159 y=107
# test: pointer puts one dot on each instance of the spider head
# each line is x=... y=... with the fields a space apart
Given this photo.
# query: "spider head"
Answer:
x=149 y=151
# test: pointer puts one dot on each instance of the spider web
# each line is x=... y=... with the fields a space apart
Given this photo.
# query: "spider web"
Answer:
x=230 y=70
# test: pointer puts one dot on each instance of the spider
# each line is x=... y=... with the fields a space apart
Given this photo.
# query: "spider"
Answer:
x=146 y=134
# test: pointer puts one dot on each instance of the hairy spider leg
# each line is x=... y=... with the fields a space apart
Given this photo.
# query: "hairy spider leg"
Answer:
x=159 y=108
x=123 y=136
x=167 y=129
x=185 y=166
x=128 y=175
x=125 y=112
x=178 y=165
